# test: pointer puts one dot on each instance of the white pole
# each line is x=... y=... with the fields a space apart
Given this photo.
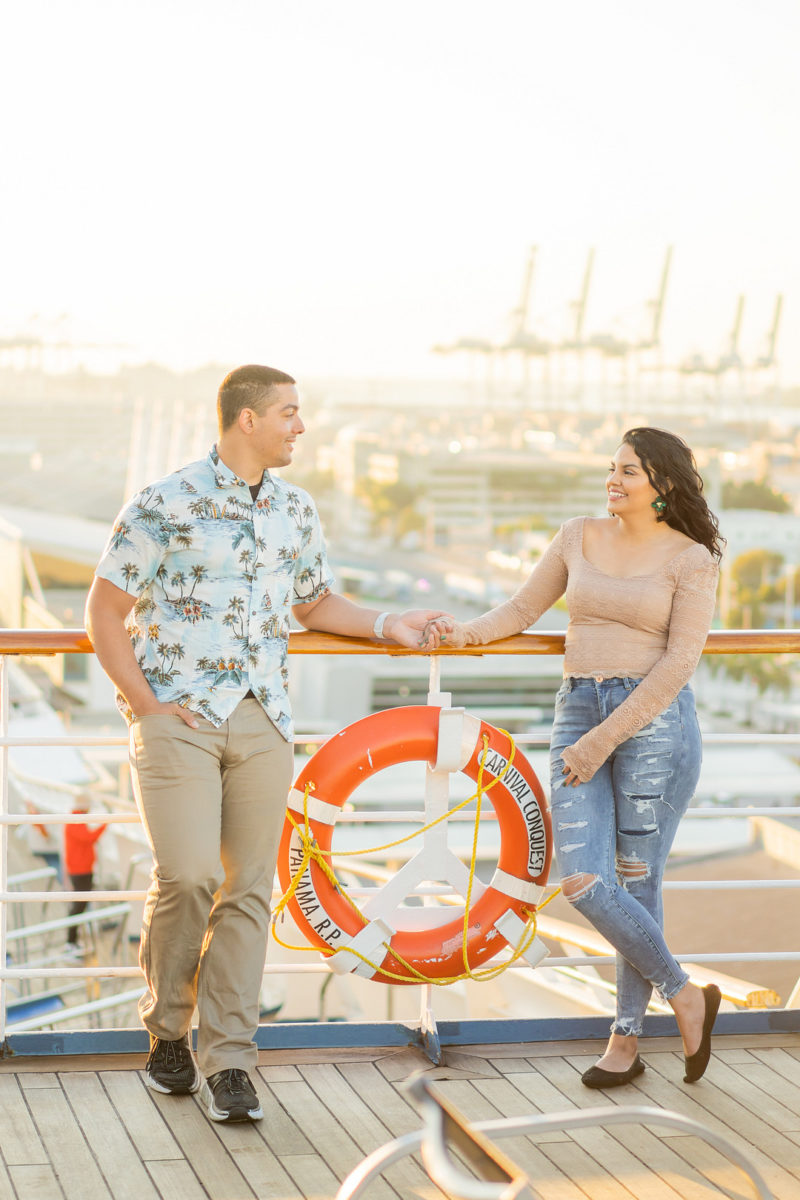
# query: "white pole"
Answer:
x=434 y=678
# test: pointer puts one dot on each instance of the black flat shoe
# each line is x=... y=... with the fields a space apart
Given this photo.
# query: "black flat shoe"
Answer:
x=597 y=1077
x=696 y=1063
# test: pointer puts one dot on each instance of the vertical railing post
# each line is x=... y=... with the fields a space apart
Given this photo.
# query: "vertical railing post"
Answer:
x=434 y=678
x=4 y=707
x=437 y=791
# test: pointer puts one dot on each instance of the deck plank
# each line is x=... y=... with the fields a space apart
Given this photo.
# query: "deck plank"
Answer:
x=256 y=1161
x=367 y=1080
x=546 y=1176
x=722 y=1175
x=36 y=1181
x=782 y=1091
x=629 y=1153
x=658 y=1171
x=71 y=1158
x=778 y=1058
x=508 y=1065
x=532 y=1158
x=762 y=1101
x=6 y=1186
x=363 y=1123
x=402 y=1064
x=393 y=1108
x=312 y=1177
x=736 y=1054
x=176 y=1180
x=279 y=1073
x=517 y=1101
x=39 y=1079
x=253 y=1148
x=471 y=1064
x=286 y=1137
x=704 y=1102
x=22 y=1145
x=341 y=1153
x=541 y=1095
x=107 y=1138
x=147 y=1128
x=648 y=1144
x=213 y=1166
x=587 y=1173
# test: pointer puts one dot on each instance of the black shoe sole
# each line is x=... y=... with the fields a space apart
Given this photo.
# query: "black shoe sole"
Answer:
x=181 y=1089
x=597 y=1077
x=240 y=1113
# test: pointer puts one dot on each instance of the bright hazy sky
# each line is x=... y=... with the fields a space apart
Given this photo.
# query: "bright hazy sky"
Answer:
x=332 y=186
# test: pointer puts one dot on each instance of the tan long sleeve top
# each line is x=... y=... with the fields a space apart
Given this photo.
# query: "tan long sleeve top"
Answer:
x=652 y=627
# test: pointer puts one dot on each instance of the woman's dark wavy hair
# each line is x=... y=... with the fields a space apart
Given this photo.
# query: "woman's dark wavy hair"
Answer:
x=669 y=465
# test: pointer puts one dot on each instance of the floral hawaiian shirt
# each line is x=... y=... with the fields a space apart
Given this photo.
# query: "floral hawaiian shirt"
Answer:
x=215 y=575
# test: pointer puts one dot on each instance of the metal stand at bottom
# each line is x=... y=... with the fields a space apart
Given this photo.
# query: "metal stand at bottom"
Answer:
x=426 y=1035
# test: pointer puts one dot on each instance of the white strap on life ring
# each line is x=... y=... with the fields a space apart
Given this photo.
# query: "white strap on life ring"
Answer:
x=318 y=810
x=518 y=889
x=458 y=737
x=369 y=942
x=512 y=928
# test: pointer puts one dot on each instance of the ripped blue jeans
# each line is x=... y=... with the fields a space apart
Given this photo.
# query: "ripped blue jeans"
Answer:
x=612 y=835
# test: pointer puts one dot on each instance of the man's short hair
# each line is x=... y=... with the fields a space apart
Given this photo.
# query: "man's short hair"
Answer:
x=247 y=387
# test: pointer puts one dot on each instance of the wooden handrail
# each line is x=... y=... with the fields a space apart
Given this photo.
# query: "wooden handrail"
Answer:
x=720 y=641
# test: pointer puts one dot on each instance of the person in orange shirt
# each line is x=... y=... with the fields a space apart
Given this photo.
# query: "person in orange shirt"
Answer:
x=79 y=860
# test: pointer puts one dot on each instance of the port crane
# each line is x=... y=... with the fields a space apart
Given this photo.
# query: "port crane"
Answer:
x=34 y=345
x=521 y=338
x=767 y=360
x=730 y=360
x=614 y=347
x=657 y=306
x=579 y=307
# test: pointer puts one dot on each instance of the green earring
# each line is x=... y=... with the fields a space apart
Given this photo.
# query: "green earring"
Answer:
x=660 y=505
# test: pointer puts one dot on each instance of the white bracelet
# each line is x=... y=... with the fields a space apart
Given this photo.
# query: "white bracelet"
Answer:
x=380 y=621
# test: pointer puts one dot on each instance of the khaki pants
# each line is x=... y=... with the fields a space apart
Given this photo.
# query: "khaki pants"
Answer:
x=212 y=802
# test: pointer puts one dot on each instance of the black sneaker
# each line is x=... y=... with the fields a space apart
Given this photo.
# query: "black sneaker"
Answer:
x=230 y=1096
x=171 y=1068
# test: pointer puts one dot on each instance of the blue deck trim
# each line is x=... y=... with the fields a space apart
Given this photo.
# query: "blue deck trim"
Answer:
x=343 y=1034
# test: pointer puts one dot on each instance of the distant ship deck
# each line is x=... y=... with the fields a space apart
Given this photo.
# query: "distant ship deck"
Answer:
x=87 y=1127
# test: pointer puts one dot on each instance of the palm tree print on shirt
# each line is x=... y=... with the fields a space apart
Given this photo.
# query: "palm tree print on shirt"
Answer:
x=185 y=605
x=130 y=573
x=223 y=670
x=119 y=535
x=165 y=672
x=301 y=514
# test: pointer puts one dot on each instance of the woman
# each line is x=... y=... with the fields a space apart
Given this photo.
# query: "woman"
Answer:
x=625 y=749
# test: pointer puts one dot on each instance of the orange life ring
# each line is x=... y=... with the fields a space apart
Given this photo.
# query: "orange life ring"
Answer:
x=410 y=734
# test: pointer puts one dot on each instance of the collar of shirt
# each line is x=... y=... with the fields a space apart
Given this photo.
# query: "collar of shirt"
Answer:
x=224 y=477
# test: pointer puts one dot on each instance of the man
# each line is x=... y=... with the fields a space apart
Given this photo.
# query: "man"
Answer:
x=189 y=616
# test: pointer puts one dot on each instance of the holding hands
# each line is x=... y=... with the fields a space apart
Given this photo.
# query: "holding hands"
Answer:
x=443 y=630
x=410 y=628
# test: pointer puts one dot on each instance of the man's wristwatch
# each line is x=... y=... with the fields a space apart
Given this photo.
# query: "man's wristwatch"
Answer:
x=380 y=621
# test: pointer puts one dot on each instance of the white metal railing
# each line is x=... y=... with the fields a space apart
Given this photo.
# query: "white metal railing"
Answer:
x=119 y=899
x=497 y=1177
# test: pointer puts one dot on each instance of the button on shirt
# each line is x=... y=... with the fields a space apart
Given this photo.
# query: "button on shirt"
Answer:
x=215 y=575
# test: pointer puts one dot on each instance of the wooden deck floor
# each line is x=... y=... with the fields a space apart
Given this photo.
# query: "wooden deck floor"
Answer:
x=88 y=1128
